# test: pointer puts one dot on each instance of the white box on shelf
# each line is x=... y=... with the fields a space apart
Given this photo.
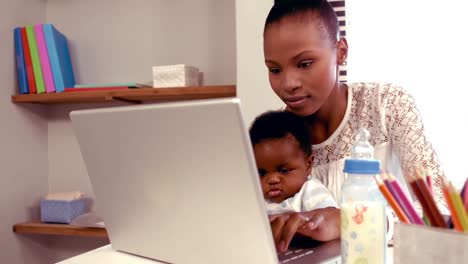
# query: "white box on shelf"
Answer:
x=178 y=75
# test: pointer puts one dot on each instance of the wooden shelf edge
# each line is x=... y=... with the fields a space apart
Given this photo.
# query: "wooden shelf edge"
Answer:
x=130 y=95
x=58 y=229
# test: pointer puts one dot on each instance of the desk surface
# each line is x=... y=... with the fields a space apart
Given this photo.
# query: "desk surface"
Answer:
x=106 y=254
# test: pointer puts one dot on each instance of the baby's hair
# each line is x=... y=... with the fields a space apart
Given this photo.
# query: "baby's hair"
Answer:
x=276 y=125
x=306 y=8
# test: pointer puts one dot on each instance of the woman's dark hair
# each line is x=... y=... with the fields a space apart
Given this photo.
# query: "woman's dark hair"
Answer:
x=306 y=8
x=276 y=125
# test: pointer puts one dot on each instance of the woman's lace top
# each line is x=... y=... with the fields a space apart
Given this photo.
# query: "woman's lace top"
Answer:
x=389 y=113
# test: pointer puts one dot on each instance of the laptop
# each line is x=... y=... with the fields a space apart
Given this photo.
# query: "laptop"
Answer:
x=177 y=182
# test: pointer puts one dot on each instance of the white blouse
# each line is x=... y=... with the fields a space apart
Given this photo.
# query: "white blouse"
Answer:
x=389 y=113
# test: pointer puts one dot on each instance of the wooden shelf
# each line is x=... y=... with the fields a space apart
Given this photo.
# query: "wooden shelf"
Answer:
x=58 y=229
x=137 y=95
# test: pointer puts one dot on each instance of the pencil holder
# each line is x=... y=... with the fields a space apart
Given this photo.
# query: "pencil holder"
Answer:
x=429 y=245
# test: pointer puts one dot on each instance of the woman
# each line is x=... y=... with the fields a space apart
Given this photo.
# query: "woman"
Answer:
x=303 y=51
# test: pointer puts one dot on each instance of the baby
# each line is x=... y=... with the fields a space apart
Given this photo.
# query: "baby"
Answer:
x=282 y=149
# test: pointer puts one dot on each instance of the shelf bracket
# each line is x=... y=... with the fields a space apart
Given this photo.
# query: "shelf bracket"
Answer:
x=117 y=98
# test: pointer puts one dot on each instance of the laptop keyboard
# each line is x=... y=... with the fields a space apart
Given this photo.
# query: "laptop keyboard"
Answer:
x=296 y=257
x=292 y=255
x=306 y=251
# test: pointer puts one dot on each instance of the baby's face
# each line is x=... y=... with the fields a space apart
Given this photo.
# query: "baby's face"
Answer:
x=283 y=167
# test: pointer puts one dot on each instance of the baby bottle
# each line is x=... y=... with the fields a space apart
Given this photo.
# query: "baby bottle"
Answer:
x=363 y=218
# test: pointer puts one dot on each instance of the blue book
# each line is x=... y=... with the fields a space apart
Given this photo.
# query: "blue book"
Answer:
x=20 y=63
x=59 y=57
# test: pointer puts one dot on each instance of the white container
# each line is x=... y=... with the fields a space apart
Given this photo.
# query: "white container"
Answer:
x=179 y=75
x=429 y=245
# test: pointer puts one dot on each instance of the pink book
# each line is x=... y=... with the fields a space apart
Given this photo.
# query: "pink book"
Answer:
x=44 y=58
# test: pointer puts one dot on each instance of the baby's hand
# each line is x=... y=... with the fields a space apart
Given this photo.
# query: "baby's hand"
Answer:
x=285 y=226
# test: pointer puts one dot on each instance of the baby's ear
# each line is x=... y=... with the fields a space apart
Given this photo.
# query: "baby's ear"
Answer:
x=309 y=162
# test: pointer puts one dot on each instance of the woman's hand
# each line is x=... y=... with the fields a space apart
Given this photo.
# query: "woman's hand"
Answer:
x=320 y=224
x=324 y=224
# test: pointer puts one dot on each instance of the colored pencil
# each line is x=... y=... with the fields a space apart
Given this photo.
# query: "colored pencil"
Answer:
x=390 y=199
x=419 y=186
x=396 y=196
x=429 y=186
x=465 y=195
x=453 y=212
x=457 y=203
x=426 y=219
x=406 y=205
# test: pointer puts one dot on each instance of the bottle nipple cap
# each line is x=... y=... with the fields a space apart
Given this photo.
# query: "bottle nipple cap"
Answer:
x=362 y=156
x=362 y=149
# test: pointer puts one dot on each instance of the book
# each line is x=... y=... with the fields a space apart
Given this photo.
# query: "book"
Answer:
x=59 y=57
x=28 y=62
x=44 y=59
x=36 y=63
x=20 y=63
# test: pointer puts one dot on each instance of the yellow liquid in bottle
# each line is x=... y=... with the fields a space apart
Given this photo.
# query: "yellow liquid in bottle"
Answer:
x=363 y=232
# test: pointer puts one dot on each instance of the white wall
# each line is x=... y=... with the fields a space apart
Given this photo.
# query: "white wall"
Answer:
x=204 y=36
x=66 y=167
x=252 y=75
x=67 y=171
x=119 y=41
x=23 y=141
x=422 y=45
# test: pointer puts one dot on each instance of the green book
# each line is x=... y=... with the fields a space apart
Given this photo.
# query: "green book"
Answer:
x=36 y=63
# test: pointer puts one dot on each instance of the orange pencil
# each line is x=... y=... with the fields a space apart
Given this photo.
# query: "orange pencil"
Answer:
x=455 y=219
x=393 y=203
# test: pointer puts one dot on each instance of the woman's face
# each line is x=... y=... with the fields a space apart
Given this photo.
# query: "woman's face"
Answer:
x=302 y=63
